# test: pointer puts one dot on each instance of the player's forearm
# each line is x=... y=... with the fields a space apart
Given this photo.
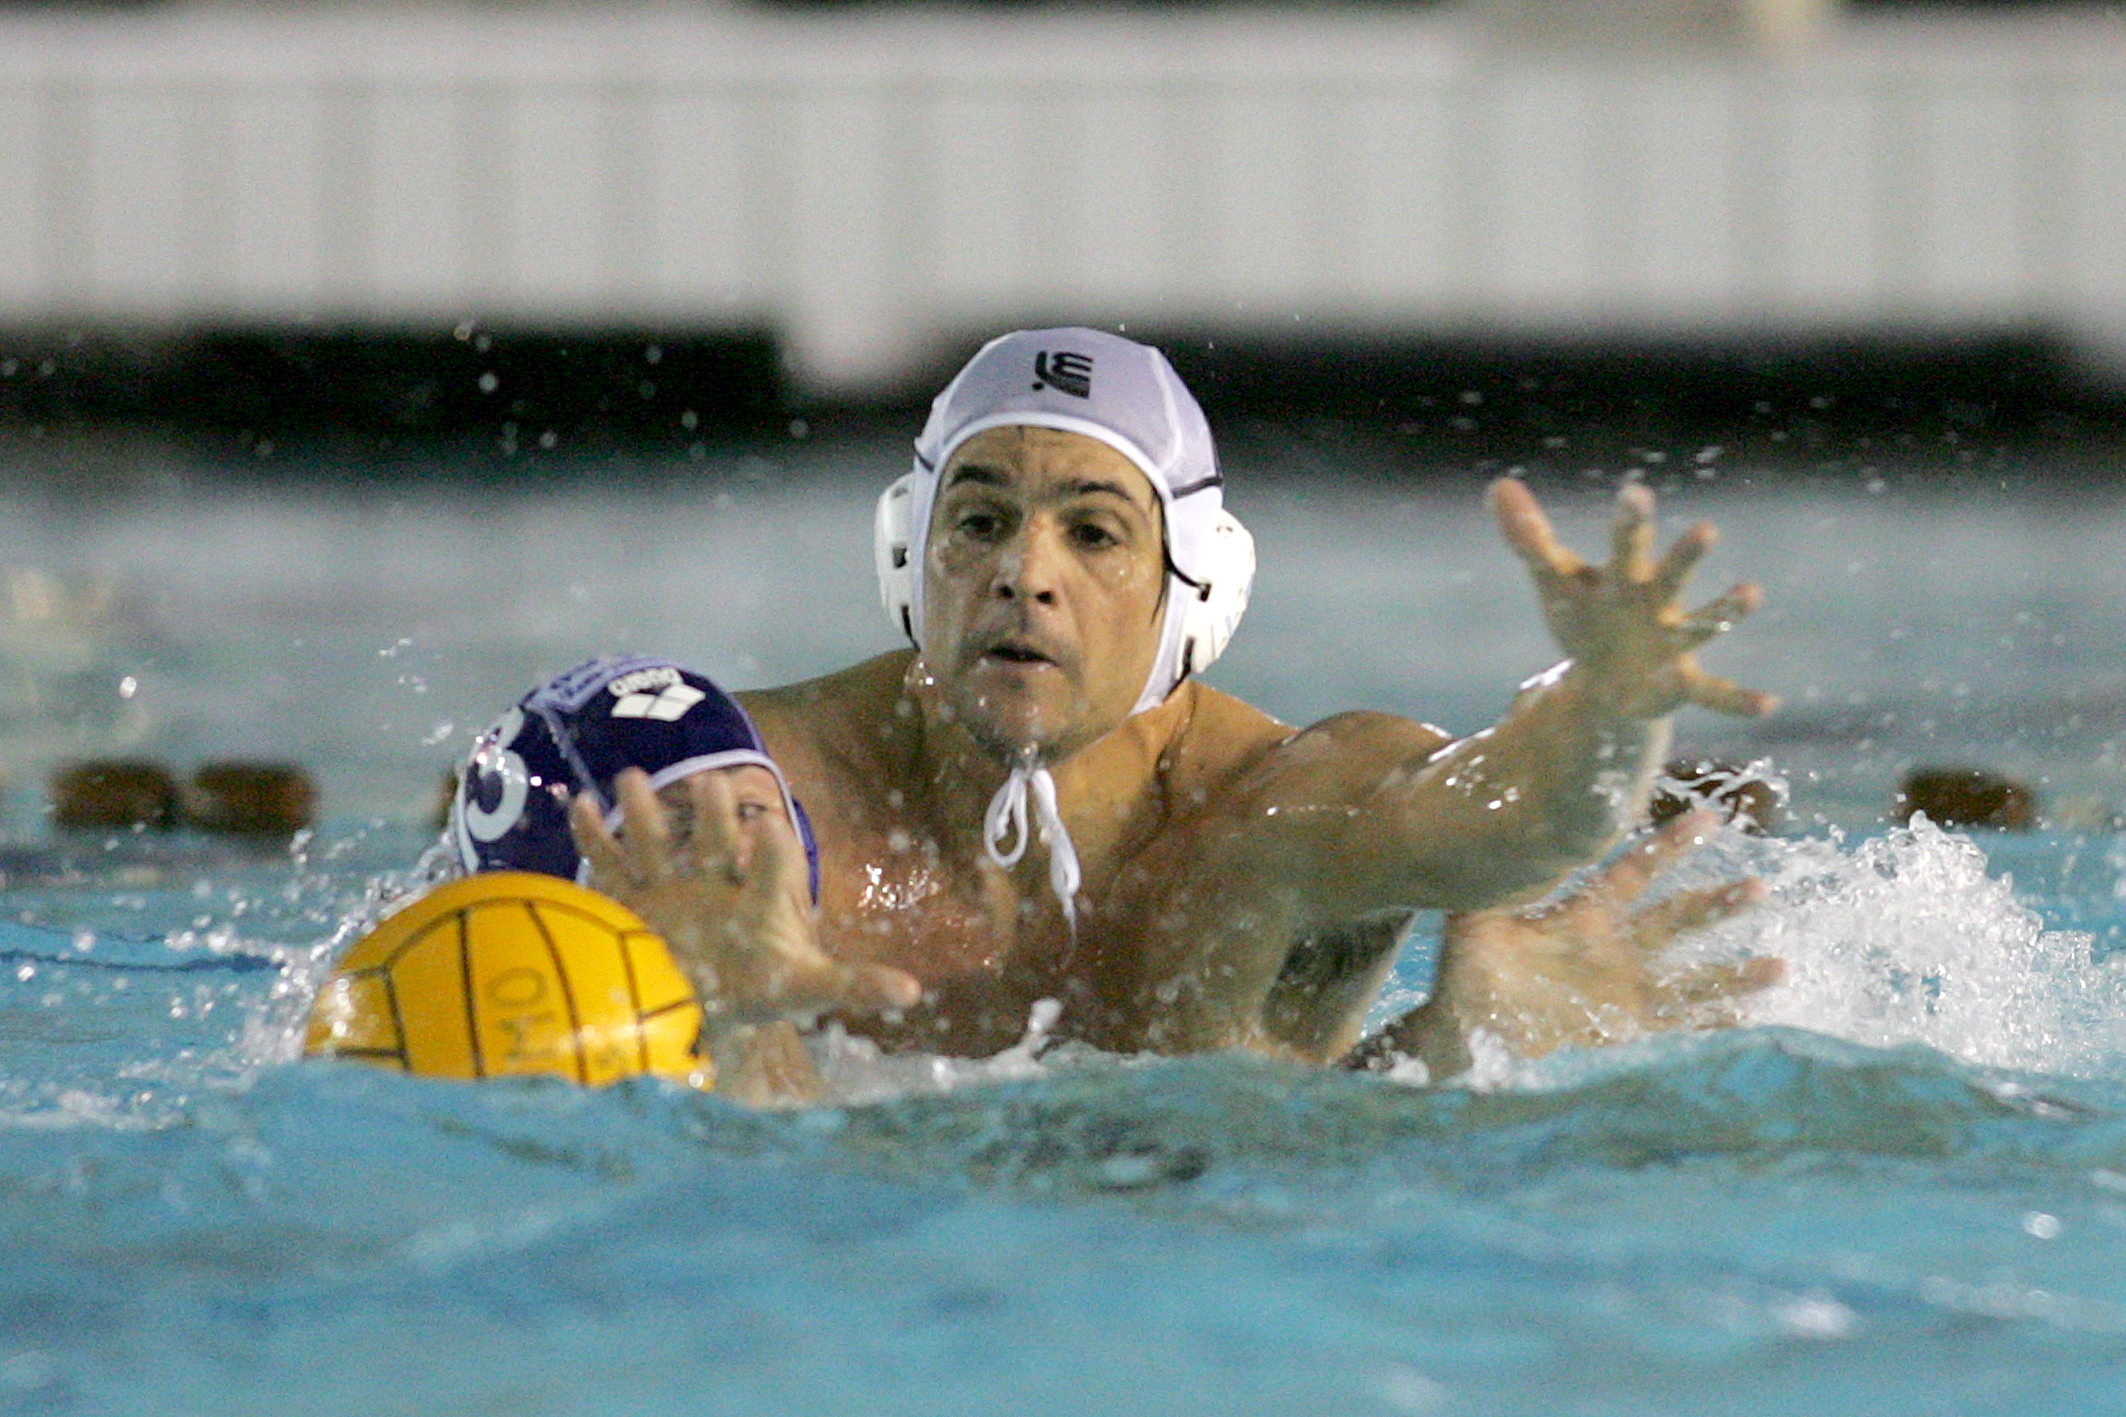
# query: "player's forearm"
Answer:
x=1583 y=765
x=761 y=1065
x=1547 y=790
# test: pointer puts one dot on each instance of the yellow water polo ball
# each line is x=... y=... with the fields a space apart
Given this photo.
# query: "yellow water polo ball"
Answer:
x=512 y=974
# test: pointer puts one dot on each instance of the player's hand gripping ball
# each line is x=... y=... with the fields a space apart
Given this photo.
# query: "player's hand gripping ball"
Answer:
x=507 y=974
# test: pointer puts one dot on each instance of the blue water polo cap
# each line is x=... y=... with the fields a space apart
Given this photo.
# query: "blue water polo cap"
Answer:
x=575 y=733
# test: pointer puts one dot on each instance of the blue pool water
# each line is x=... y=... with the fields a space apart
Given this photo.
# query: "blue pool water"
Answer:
x=1901 y=1188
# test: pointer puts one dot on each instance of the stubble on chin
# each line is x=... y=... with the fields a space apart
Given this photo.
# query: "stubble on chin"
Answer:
x=1003 y=735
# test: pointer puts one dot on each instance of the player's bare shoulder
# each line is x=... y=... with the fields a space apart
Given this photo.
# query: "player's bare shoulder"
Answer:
x=1234 y=750
x=836 y=724
x=1225 y=734
x=1365 y=733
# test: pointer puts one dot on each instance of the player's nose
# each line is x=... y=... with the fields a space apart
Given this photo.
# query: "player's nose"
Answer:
x=1029 y=564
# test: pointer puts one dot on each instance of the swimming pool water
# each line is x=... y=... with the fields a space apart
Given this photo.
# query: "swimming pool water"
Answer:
x=1900 y=1188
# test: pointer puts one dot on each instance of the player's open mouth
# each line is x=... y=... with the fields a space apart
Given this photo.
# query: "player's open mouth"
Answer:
x=1012 y=652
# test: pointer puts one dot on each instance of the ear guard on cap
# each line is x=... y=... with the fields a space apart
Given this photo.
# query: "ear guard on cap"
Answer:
x=1211 y=605
x=891 y=536
x=1217 y=600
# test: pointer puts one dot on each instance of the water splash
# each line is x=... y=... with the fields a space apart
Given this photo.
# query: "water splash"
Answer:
x=1904 y=938
x=1889 y=941
x=133 y=1020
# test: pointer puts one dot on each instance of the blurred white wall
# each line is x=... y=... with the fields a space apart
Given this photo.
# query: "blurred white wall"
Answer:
x=872 y=183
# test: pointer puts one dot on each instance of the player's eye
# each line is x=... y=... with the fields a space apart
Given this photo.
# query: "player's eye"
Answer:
x=978 y=523
x=1091 y=536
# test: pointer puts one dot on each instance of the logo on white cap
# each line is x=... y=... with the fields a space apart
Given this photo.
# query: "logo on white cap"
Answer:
x=1065 y=371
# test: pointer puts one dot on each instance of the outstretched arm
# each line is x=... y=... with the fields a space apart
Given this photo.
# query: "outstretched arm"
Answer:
x=1506 y=812
x=1365 y=817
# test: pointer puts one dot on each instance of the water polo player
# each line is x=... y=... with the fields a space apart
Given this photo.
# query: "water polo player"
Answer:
x=578 y=733
x=665 y=772
x=1039 y=801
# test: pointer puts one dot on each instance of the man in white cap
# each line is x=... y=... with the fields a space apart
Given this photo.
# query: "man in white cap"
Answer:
x=1039 y=801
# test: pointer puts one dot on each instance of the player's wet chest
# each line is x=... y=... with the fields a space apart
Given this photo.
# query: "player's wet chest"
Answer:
x=897 y=898
x=939 y=918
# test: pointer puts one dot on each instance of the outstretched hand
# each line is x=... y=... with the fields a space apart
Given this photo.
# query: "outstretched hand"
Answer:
x=733 y=912
x=1588 y=970
x=1580 y=972
x=1623 y=623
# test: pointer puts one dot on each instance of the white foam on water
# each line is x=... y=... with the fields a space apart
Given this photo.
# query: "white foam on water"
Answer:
x=1905 y=938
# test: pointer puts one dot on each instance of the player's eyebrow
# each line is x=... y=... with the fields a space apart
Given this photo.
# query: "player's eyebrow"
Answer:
x=1086 y=487
x=983 y=475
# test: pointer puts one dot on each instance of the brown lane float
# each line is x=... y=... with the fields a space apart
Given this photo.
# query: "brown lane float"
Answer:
x=250 y=799
x=102 y=794
x=1966 y=797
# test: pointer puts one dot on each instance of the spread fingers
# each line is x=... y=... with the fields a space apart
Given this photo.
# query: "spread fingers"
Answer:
x=771 y=881
x=645 y=836
x=1717 y=986
x=777 y=917
x=713 y=822
x=1631 y=536
x=1631 y=872
x=1718 y=616
x=586 y=823
x=1682 y=558
x=1658 y=926
x=1724 y=695
x=1527 y=530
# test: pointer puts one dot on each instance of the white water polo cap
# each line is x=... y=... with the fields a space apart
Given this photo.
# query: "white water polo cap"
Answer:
x=1127 y=396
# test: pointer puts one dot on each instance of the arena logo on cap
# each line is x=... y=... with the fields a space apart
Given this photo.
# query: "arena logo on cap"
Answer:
x=653 y=693
x=1065 y=371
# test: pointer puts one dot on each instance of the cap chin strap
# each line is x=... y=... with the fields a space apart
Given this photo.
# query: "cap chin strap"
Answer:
x=1006 y=820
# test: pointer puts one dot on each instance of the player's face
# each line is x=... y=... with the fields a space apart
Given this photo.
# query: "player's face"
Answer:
x=756 y=802
x=1044 y=577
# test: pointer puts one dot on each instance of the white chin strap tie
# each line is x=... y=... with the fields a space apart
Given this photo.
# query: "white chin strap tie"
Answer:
x=1007 y=819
